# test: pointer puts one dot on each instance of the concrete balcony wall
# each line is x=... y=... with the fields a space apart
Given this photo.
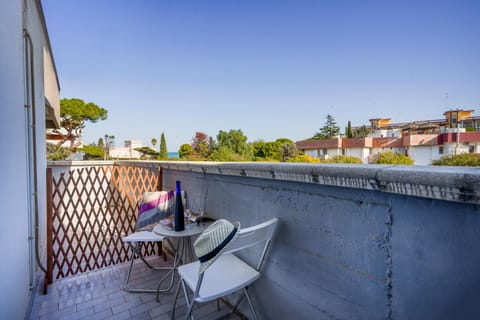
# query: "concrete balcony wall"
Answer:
x=354 y=242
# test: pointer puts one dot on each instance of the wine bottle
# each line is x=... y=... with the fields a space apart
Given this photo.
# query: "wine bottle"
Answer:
x=179 y=214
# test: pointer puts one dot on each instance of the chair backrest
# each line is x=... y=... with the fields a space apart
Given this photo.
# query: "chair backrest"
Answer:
x=252 y=236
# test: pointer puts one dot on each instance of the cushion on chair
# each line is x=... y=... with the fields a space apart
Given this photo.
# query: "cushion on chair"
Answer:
x=153 y=207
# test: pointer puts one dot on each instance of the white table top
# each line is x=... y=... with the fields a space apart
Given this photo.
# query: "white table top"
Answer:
x=191 y=229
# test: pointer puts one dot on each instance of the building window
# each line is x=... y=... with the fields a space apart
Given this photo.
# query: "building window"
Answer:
x=471 y=149
x=343 y=152
x=440 y=150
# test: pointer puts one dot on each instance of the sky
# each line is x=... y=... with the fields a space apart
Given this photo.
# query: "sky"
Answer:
x=271 y=68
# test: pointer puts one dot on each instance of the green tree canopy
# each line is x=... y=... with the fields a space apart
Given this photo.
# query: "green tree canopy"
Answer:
x=235 y=141
x=93 y=152
x=262 y=150
x=185 y=151
x=287 y=150
x=57 y=153
x=147 y=153
x=74 y=115
x=329 y=130
x=362 y=132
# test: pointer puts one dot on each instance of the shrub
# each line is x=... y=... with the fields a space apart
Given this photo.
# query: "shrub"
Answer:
x=303 y=158
x=390 y=157
x=344 y=159
x=463 y=159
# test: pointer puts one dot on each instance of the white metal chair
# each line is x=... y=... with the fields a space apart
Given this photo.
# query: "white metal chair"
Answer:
x=153 y=207
x=228 y=273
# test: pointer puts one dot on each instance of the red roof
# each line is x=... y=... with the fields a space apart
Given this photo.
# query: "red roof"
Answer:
x=319 y=144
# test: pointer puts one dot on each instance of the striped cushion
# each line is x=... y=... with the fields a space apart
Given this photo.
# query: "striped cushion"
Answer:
x=153 y=207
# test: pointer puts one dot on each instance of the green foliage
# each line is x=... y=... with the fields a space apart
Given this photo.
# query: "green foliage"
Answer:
x=147 y=153
x=74 y=114
x=348 y=131
x=262 y=150
x=462 y=159
x=287 y=150
x=185 y=151
x=223 y=154
x=344 y=159
x=57 y=153
x=284 y=140
x=390 y=157
x=235 y=141
x=93 y=152
x=109 y=142
x=329 y=130
x=163 y=147
x=361 y=133
x=303 y=157
x=154 y=142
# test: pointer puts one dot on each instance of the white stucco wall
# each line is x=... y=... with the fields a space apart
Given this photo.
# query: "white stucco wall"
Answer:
x=361 y=153
x=15 y=271
x=423 y=155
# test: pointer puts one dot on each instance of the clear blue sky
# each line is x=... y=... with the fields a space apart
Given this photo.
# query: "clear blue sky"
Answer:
x=270 y=68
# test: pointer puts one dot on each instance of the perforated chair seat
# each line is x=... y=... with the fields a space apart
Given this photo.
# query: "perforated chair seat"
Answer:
x=216 y=282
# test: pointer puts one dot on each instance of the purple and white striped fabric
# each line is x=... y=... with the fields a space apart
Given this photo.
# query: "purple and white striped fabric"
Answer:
x=153 y=207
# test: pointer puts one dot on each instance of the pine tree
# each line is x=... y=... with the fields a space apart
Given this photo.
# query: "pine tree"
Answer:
x=329 y=130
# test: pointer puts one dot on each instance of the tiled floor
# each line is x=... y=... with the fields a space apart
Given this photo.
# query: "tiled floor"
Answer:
x=99 y=295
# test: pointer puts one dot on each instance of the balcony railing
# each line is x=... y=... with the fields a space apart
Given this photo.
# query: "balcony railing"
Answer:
x=354 y=241
x=90 y=208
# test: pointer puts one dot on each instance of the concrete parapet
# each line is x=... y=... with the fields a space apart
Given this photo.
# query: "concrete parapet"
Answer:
x=436 y=182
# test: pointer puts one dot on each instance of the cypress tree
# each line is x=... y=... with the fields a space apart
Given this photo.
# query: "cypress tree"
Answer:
x=163 y=147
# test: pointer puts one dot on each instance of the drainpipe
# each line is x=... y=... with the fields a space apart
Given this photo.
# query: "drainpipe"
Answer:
x=29 y=62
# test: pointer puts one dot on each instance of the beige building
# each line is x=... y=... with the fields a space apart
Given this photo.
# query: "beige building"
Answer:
x=423 y=141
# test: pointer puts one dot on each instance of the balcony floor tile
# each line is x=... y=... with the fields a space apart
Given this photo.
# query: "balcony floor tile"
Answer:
x=99 y=295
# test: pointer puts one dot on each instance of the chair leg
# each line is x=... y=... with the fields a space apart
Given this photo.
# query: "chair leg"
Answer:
x=136 y=252
x=252 y=309
x=239 y=300
x=189 y=304
x=189 y=311
x=132 y=259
